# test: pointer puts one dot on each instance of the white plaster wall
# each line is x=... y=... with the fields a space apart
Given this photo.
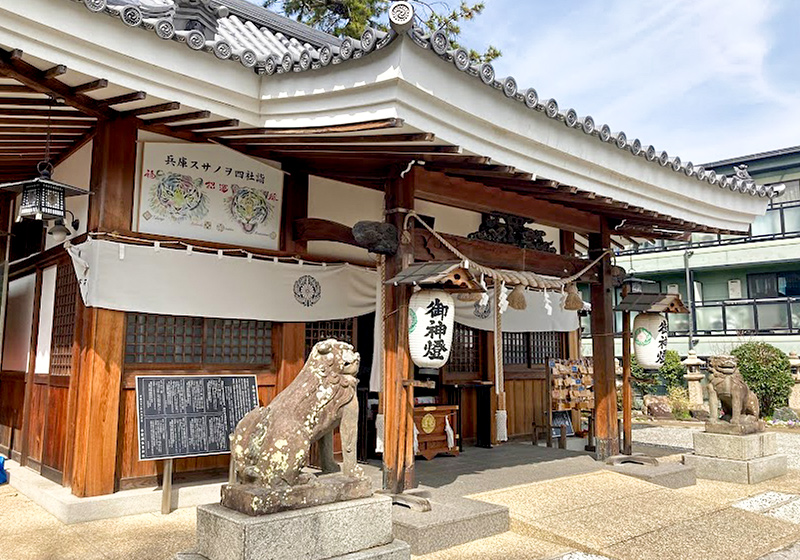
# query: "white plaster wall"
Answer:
x=348 y=204
x=45 y=334
x=76 y=170
x=19 y=320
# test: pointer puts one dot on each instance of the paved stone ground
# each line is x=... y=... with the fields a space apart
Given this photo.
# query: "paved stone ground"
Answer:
x=588 y=516
x=788 y=443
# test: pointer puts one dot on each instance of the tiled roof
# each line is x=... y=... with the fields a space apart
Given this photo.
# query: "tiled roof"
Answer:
x=272 y=44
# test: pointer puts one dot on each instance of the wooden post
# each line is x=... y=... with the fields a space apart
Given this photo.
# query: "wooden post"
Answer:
x=98 y=382
x=627 y=392
x=295 y=206
x=602 y=296
x=398 y=400
x=166 y=487
x=562 y=437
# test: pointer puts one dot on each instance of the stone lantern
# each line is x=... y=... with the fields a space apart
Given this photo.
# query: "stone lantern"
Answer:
x=794 y=367
x=694 y=378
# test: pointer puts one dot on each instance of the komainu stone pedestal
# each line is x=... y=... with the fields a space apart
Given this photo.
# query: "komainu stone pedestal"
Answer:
x=352 y=530
x=743 y=459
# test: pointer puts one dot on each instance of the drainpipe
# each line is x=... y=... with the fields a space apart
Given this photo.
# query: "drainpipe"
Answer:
x=689 y=295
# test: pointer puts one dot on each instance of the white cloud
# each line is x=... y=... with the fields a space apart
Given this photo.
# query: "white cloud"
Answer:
x=688 y=76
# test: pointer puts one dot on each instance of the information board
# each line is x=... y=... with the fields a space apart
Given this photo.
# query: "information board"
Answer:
x=562 y=418
x=190 y=416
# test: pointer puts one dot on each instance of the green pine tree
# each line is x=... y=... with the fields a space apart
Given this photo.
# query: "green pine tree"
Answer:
x=351 y=17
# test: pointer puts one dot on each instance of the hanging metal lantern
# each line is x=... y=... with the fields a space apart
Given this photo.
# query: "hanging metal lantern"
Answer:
x=430 y=328
x=42 y=197
x=650 y=332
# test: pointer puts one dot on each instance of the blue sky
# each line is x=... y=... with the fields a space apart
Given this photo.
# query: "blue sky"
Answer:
x=702 y=79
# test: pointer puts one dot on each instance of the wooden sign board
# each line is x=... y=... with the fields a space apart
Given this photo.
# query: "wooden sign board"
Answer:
x=190 y=416
x=562 y=418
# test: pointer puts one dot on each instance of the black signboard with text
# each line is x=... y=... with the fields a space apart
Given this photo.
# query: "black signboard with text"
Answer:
x=190 y=416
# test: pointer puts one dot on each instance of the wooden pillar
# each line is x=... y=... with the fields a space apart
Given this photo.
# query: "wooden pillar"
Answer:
x=602 y=296
x=290 y=352
x=627 y=391
x=398 y=397
x=295 y=206
x=99 y=378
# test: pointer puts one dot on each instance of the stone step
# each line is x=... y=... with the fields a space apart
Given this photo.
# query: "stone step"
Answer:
x=669 y=475
x=451 y=523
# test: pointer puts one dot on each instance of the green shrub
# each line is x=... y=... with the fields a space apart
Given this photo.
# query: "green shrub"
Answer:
x=641 y=380
x=679 y=401
x=673 y=370
x=766 y=371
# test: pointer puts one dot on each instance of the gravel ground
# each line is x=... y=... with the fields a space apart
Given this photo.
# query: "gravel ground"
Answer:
x=681 y=438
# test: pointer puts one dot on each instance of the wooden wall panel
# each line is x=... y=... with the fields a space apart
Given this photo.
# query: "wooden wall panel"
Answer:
x=12 y=397
x=469 y=414
x=55 y=429
x=38 y=407
x=526 y=404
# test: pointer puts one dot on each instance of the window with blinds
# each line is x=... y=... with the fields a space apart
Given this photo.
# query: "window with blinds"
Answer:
x=64 y=310
x=169 y=340
x=340 y=329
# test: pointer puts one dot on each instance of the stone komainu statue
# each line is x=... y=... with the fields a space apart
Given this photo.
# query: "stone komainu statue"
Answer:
x=271 y=444
x=728 y=389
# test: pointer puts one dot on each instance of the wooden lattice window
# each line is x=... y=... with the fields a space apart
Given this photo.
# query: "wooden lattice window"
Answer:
x=63 y=320
x=465 y=353
x=546 y=346
x=196 y=341
x=515 y=348
x=340 y=329
x=532 y=348
x=235 y=341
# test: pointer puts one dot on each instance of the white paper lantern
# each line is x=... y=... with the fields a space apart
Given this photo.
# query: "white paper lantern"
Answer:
x=430 y=328
x=650 y=339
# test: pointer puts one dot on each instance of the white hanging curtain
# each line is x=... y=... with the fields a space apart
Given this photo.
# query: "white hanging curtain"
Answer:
x=145 y=279
x=536 y=317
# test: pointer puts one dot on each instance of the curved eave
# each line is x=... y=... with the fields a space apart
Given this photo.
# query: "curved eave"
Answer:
x=408 y=82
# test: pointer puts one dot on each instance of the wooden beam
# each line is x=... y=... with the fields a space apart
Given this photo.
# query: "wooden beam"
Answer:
x=76 y=145
x=290 y=350
x=14 y=88
x=398 y=398
x=120 y=99
x=318 y=139
x=317 y=229
x=496 y=255
x=160 y=108
x=57 y=111
x=55 y=122
x=57 y=131
x=388 y=157
x=602 y=318
x=178 y=118
x=94 y=85
x=469 y=195
x=362 y=149
x=353 y=127
x=26 y=101
x=56 y=70
x=224 y=123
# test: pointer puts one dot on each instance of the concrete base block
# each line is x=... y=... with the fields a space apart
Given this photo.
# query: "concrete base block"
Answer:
x=669 y=475
x=317 y=533
x=751 y=471
x=395 y=550
x=738 y=447
x=456 y=522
